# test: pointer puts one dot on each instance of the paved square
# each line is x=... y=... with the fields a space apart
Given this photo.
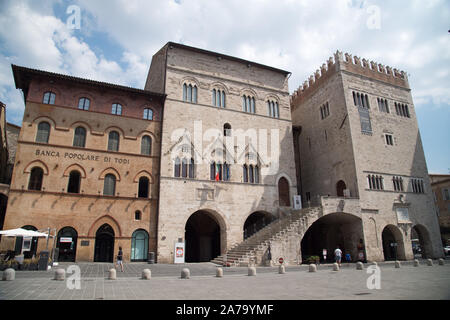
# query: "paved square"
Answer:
x=408 y=282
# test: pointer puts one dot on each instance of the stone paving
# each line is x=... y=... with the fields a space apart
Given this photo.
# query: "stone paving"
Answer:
x=408 y=282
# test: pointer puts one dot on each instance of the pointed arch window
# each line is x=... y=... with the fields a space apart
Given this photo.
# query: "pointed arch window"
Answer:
x=143 y=189
x=36 y=177
x=109 y=186
x=74 y=182
x=146 y=145
x=113 y=141
x=43 y=132
x=79 y=137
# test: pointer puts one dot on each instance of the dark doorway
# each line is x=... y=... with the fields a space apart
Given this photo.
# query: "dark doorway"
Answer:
x=393 y=248
x=283 y=192
x=329 y=232
x=3 y=203
x=421 y=243
x=255 y=222
x=340 y=187
x=104 y=244
x=67 y=244
x=202 y=234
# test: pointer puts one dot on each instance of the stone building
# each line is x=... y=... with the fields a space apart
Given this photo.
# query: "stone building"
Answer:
x=358 y=144
x=86 y=166
x=440 y=183
x=227 y=165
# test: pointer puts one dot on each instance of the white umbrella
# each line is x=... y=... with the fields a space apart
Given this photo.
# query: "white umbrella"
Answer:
x=19 y=232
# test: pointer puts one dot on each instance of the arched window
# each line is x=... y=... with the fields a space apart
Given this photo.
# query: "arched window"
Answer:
x=250 y=173
x=148 y=114
x=194 y=94
x=256 y=174
x=212 y=171
x=43 y=132
x=190 y=93
x=143 y=187
x=226 y=172
x=245 y=173
x=218 y=98
x=248 y=104
x=116 y=108
x=137 y=215
x=109 y=187
x=177 y=167
x=139 y=245
x=283 y=193
x=214 y=102
x=74 y=182
x=79 y=137
x=84 y=103
x=185 y=92
x=36 y=176
x=49 y=98
x=184 y=168
x=113 y=141
x=146 y=145
x=191 y=168
x=227 y=130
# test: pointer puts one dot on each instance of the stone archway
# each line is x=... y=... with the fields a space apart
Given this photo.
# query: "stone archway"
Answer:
x=255 y=222
x=330 y=231
x=421 y=241
x=204 y=237
x=393 y=245
x=104 y=244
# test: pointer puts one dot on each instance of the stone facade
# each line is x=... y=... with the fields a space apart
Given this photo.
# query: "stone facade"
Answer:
x=351 y=146
x=440 y=183
x=228 y=203
x=87 y=209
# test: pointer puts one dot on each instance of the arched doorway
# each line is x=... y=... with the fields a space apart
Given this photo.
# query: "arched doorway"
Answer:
x=255 y=222
x=283 y=192
x=104 y=244
x=67 y=244
x=421 y=243
x=139 y=245
x=393 y=247
x=34 y=242
x=202 y=235
x=329 y=232
x=340 y=187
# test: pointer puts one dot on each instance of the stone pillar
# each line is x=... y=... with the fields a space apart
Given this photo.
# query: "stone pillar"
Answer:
x=146 y=274
x=429 y=262
x=281 y=269
x=359 y=266
x=252 y=271
x=185 y=273
x=312 y=268
x=112 y=274
x=335 y=267
x=397 y=264
x=60 y=274
x=9 y=274
x=416 y=263
x=219 y=272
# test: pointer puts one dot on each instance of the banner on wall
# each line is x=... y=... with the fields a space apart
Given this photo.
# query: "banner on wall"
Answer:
x=179 y=252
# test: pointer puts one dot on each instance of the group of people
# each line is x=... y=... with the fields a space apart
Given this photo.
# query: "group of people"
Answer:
x=338 y=255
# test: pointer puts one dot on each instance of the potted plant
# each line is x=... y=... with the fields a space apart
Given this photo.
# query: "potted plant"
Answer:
x=26 y=264
x=312 y=259
x=12 y=264
x=33 y=264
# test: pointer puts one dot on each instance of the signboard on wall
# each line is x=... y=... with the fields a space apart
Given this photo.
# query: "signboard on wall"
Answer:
x=402 y=215
x=65 y=240
x=179 y=254
x=297 y=202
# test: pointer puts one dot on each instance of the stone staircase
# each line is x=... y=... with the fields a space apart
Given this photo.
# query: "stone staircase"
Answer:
x=253 y=249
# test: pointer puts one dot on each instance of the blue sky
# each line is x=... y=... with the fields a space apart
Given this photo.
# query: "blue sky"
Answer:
x=117 y=38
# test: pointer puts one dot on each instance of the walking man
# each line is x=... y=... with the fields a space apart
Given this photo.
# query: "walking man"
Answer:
x=120 y=258
x=338 y=255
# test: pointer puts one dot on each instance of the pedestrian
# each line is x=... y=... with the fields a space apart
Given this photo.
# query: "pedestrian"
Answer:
x=120 y=259
x=338 y=255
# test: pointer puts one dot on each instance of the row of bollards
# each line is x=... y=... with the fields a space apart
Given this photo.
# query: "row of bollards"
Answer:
x=60 y=274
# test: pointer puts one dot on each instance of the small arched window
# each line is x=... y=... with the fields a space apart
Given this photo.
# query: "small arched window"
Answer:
x=109 y=186
x=137 y=215
x=227 y=130
x=43 y=132
x=79 y=137
x=248 y=104
x=143 y=187
x=190 y=93
x=250 y=173
x=146 y=145
x=177 y=167
x=191 y=168
x=49 y=98
x=36 y=176
x=148 y=114
x=256 y=174
x=84 y=103
x=74 y=182
x=218 y=98
x=184 y=168
x=113 y=141
x=116 y=109
x=245 y=173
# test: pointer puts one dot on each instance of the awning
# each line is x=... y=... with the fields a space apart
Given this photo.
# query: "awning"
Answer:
x=19 y=232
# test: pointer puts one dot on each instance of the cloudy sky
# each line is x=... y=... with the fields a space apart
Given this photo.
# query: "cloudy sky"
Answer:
x=114 y=41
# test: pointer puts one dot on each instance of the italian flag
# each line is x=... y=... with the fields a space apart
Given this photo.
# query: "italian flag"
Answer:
x=217 y=172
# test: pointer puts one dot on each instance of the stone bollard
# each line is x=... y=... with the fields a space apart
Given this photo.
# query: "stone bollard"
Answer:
x=60 y=274
x=9 y=274
x=219 y=272
x=281 y=269
x=185 y=273
x=359 y=266
x=146 y=274
x=416 y=263
x=441 y=262
x=312 y=267
x=252 y=271
x=374 y=263
x=397 y=264
x=335 y=267
x=429 y=262
x=112 y=274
